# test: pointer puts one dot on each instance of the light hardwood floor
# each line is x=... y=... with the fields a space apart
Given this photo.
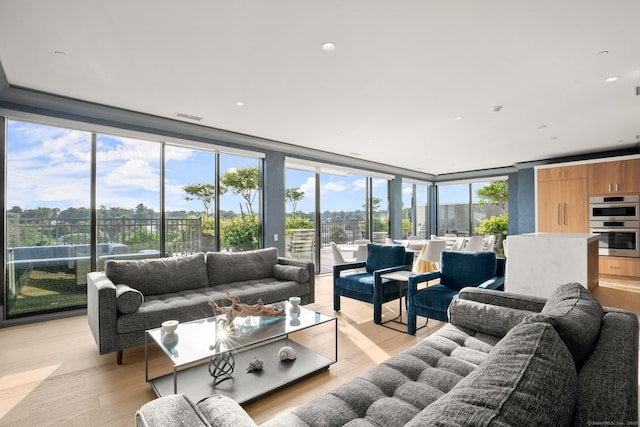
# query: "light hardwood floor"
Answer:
x=51 y=372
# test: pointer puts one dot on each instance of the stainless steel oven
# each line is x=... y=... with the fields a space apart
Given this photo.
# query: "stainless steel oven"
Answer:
x=617 y=238
x=614 y=208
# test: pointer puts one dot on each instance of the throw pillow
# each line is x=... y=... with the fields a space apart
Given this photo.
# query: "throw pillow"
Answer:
x=291 y=272
x=576 y=315
x=384 y=256
x=528 y=379
x=128 y=300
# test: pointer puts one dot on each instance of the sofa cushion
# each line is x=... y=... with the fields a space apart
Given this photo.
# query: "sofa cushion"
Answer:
x=576 y=315
x=384 y=256
x=487 y=318
x=128 y=300
x=158 y=276
x=291 y=272
x=528 y=379
x=226 y=267
x=460 y=269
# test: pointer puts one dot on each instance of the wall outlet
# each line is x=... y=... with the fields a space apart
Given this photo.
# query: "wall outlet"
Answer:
x=275 y=237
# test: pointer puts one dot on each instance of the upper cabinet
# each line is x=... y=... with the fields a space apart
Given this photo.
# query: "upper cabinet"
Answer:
x=562 y=199
x=561 y=173
x=618 y=177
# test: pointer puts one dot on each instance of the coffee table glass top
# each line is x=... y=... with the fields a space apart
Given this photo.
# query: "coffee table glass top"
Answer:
x=204 y=338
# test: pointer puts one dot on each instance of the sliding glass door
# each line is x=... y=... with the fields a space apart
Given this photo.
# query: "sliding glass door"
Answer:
x=48 y=230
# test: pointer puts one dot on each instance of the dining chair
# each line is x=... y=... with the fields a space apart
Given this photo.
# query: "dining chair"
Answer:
x=338 y=257
x=458 y=245
x=474 y=244
x=433 y=252
x=389 y=241
x=489 y=243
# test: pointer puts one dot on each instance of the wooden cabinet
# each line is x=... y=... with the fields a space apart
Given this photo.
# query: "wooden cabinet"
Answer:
x=562 y=173
x=563 y=205
x=620 y=266
x=621 y=177
x=593 y=265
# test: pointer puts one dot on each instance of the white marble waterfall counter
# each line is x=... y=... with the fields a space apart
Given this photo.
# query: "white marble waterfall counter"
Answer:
x=538 y=263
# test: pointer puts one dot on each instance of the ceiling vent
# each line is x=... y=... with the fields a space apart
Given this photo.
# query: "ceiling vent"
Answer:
x=188 y=117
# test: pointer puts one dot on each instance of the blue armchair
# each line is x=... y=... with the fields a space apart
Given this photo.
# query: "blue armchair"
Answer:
x=457 y=270
x=368 y=286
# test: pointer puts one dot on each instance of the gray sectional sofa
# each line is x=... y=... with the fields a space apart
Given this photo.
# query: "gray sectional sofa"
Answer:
x=505 y=359
x=131 y=296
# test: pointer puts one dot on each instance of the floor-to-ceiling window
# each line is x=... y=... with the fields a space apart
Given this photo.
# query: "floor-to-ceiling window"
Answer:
x=415 y=210
x=239 y=202
x=190 y=200
x=48 y=231
x=300 y=220
x=127 y=198
x=463 y=207
x=379 y=209
x=79 y=198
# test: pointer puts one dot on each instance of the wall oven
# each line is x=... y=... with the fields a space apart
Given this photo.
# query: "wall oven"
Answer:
x=615 y=208
x=617 y=238
x=617 y=220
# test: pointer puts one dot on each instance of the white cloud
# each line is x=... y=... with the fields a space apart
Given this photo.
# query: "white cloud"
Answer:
x=136 y=174
x=309 y=187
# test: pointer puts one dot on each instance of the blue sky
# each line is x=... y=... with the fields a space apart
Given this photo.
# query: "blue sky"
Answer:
x=50 y=167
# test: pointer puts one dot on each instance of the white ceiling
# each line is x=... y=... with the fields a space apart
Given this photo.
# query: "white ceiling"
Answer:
x=401 y=73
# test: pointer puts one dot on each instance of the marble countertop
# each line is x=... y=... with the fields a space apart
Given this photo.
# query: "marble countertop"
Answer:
x=590 y=237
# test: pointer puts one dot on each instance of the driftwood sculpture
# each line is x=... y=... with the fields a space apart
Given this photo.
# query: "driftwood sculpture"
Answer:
x=238 y=309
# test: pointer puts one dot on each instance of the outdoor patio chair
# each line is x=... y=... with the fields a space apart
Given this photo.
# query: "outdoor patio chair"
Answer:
x=369 y=286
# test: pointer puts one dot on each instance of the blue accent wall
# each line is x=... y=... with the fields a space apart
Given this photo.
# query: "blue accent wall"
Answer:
x=522 y=201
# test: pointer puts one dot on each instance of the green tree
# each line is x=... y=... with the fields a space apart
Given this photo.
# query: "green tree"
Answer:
x=245 y=182
x=494 y=193
x=292 y=196
x=204 y=192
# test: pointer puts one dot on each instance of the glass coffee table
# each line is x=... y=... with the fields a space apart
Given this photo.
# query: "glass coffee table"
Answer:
x=205 y=340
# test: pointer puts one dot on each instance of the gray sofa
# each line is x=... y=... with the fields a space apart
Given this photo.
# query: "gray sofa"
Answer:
x=131 y=296
x=504 y=359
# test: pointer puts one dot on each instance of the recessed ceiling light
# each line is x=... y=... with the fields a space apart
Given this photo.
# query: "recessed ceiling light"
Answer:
x=613 y=79
x=602 y=52
x=496 y=108
x=328 y=46
x=542 y=126
x=59 y=52
x=239 y=104
x=553 y=138
x=458 y=118
x=355 y=154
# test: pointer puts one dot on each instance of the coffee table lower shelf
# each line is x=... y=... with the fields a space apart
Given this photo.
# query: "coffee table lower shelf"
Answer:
x=243 y=387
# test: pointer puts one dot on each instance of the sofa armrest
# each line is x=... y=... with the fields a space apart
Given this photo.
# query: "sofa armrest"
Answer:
x=221 y=411
x=338 y=268
x=414 y=279
x=495 y=320
x=311 y=268
x=102 y=312
x=608 y=379
x=504 y=299
x=493 y=283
